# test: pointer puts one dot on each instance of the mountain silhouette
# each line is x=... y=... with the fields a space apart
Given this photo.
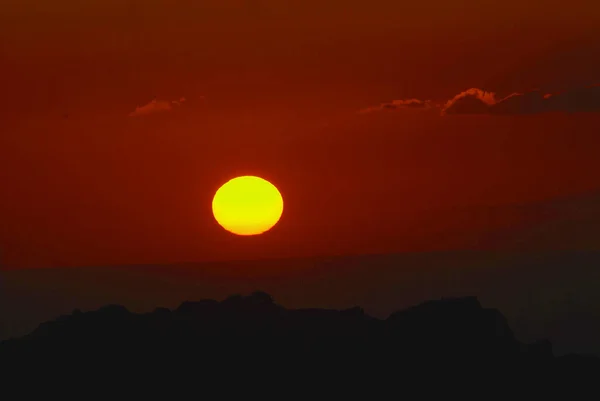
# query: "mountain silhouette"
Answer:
x=254 y=336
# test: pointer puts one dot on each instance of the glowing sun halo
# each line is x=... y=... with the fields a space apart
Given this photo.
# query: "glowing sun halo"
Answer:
x=247 y=205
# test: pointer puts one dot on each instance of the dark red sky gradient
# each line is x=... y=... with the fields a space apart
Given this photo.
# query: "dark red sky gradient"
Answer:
x=274 y=90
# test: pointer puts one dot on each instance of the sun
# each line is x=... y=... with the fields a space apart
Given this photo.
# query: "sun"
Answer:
x=247 y=205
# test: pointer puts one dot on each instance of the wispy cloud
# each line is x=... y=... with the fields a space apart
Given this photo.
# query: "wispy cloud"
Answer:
x=399 y=104
x=156 y=106
x=472 y=101
x=579 y=100
x=479 y=101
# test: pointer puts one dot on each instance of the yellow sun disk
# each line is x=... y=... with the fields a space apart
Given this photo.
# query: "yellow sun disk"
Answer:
x=247 y=205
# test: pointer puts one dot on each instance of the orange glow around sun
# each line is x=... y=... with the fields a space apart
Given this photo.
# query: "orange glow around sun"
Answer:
x=247 y=205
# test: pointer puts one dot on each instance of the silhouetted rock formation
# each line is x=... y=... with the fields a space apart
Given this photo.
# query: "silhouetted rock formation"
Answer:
x=448 y=336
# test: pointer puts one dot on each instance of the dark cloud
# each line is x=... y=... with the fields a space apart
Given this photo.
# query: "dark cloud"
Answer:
x=580 y=100
x=521 y=103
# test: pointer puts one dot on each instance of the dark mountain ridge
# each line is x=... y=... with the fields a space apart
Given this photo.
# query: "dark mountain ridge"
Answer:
x=450 y=327
x=255 y=340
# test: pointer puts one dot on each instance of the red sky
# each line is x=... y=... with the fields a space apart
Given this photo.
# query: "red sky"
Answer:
x=275 y=90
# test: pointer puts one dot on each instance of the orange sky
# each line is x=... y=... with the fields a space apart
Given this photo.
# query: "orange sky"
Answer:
x=274 y=88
